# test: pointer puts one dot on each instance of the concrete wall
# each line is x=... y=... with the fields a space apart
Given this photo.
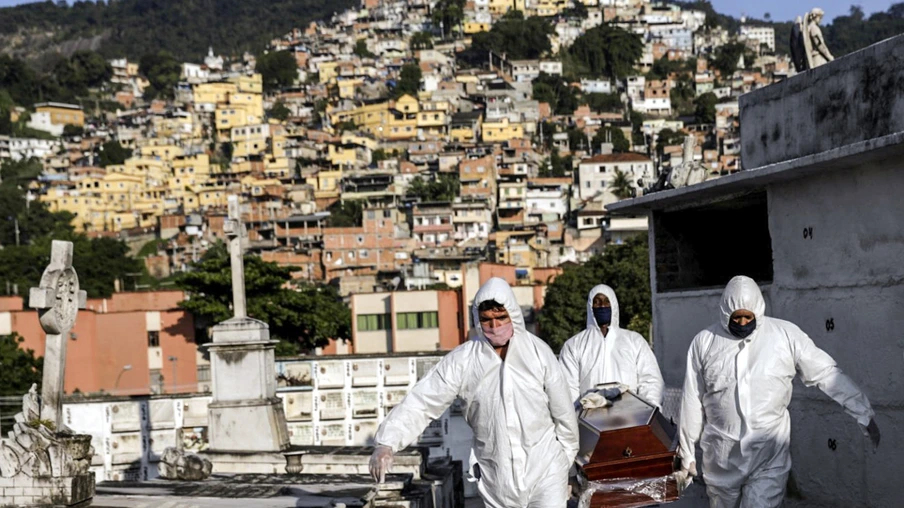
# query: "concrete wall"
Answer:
x=338 y=402
x=843 y=284
x=855 y=98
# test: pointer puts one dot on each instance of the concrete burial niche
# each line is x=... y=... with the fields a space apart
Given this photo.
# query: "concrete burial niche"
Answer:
x=816 y=218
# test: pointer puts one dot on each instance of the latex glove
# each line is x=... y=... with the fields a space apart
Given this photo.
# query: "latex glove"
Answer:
x=613 y=392
x=594 y=400
x=691 y=468
x=380 y=463
x=872 y=430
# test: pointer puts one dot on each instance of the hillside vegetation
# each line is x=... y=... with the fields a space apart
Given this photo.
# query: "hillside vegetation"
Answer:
x=132 y=28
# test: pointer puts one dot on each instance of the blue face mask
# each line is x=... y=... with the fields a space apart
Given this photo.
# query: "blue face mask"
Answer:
x=741 y=331
x=602 y=315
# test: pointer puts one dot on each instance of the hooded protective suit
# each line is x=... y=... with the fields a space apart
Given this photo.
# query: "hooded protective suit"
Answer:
x=736 y=396
x=525 y=428
x=622 y=356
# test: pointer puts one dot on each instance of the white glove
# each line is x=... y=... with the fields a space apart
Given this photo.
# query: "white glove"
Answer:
x=380 y=463
x=594 y=400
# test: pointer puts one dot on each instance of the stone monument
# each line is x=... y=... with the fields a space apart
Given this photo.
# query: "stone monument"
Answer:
x=42 y=463
x=246 y=416
x=689 y=172
x=808 y=47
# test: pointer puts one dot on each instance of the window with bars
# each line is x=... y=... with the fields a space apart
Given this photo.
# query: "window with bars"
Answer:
x=153 y=339
x=417 y=320
x=373 y=322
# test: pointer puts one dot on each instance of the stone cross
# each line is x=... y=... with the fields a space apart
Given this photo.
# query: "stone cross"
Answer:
x=235 y=231
x=57 y=301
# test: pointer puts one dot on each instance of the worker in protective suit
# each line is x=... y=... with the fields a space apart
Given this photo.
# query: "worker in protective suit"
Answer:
x=607 y=353
x=513 y=393
x=736 y=395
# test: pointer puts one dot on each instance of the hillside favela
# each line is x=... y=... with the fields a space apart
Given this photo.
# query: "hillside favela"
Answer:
x=451 y=253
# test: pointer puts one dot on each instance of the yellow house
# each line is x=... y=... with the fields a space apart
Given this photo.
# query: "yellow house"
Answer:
x=253 y=83
x=278 y=145
x=253 y=103
x=546 y=8
x=213 y=93
x=62 y=114
x=327 y=184
x=369 y=117
x=277 y=167
x=473 y=28
x=502 y=130
x=348 y=87
x=249 y=140
x=195 y=168
x=500 y=7
x=328 y=71
x=433 y=120
x=402 y=123
x=343 y=155
x=212 y=197
x=147 y=167
x=166 y=152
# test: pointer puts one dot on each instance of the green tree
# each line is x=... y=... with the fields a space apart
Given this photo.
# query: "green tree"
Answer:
x=621 y=185
x=163 y=72
x=562 y=97
x=705 y=108
x=448 y=14
x=556 y=165
x=305 y=317
x=421 y=40
x=726 y=58
x=361 y=49
x=444 y=187
x=409 y=80
x=345 y=214
x=19 y=368
x=607 y=50
x=614 y=135
x=604 y=102
x=278 y=69
x=625 y=267
x=517 y=37
x=82 y=70
x=279 y=111
x=112 y=153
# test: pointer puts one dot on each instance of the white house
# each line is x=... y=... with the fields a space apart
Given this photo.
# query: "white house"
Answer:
x=595 y=175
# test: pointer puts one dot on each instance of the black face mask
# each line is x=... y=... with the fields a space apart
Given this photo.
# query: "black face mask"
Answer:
x=741 y=331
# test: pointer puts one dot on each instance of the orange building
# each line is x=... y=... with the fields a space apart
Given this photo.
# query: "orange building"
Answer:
x=128 y=344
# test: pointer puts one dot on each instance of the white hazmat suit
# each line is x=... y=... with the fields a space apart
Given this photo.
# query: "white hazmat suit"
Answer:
x=736 y=396
x=621 y=356
x=525 y=428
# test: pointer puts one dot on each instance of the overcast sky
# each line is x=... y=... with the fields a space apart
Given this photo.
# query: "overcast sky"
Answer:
x=779 y=9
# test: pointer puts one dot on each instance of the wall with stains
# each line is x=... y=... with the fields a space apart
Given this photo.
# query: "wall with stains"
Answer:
x=855 y=98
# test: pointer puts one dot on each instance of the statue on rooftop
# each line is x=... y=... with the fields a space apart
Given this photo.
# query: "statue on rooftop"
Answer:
x=808 y=47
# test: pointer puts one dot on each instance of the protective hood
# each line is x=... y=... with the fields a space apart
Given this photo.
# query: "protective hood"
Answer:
x=742 y=293
x=606 y=290
x=498 y=290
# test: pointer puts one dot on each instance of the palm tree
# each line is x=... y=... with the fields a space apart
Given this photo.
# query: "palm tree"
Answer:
x=621 y=185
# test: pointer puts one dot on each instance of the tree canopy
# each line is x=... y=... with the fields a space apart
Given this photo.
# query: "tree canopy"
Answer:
x=185 y=28
x=98 y=261
x=278 y=69
x=606 y=50
x=612 y=135
x=705 y=108
x=515 y=36
x=19 y=368
x=444 y=188
x=562 y=97
x=626 y=268
x=409 y=80
x=163 y=72
x=304 y=317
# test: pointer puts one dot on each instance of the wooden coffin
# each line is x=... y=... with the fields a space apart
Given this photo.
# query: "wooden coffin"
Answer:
x=629 y=439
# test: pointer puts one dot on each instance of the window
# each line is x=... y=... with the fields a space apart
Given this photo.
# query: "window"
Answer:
x=360 y=239
x=362 y=253
x=417 y=320
x=153 y=339
x=587 y=185
x=370 y=214
x=386 y=214
x=373 y=322
x=203 y=373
